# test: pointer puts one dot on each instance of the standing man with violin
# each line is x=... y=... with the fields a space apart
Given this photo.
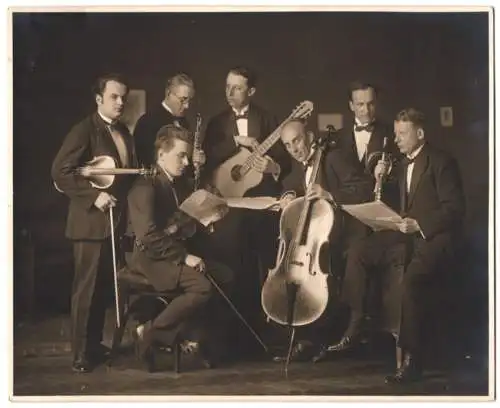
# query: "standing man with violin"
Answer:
x=339 y=182
x=88 y=222
x=179 y=92
x=241 y=232
x=432 y=210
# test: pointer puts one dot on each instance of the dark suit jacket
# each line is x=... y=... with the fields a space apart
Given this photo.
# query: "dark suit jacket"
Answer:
x=219 y=145
x=347 y=144
x=88 y=139
x=160 y=254
x=436 y=198
x=146 y=129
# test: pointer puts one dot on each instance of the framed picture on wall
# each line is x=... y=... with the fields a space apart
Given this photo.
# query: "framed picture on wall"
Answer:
x=134 y=108
x=446 y=116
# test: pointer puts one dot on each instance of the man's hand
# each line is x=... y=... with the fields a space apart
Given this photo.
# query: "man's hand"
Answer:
x=246 y=141
x=104 y=201
x=315 y=191
x=266 y=165
x=199 y=158
x=195 y=262
x=409 y=226
x=286 y=199
x=221 y=211
x=381 y=169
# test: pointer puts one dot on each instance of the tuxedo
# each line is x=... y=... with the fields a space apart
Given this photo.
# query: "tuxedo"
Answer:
x=88 y=227
x=146 y=129
x=348 y=185
x=346 y=141
x=411 y=263
x=345 y=182
x=245 y=239
x=160 y=255
x=219 y=145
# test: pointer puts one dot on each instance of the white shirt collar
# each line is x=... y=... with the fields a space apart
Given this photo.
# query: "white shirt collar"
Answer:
x=169 y=176
x=242 y=111
x=358 y=123
x=415 y=152
x=167 y=108
x=105 y=119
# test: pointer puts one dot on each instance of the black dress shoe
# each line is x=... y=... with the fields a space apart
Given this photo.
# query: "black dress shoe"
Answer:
x=99 y=353
x=82 y=365
x=345 y=343
x=195 y=349
x=302 y=351
x=322 y=355
x=410 y=371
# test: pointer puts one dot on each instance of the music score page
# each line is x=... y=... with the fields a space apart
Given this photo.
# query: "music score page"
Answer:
x=375 y=214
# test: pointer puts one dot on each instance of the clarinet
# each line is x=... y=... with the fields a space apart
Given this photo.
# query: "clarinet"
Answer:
x=378 y=184
x=197 y=146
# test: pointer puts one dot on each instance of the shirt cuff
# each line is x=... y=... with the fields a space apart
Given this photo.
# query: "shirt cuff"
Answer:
x=421 y=232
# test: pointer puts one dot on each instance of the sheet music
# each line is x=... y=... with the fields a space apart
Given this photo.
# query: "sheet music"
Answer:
x=204 y=206
x=376 y=215
x=253 y=203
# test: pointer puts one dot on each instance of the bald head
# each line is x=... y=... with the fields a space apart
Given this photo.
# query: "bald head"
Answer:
x=296 y=140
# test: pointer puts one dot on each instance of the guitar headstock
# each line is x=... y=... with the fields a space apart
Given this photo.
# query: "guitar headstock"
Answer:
x=303 y=110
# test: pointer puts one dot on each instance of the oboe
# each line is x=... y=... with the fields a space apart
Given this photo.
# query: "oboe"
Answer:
x=197 y=147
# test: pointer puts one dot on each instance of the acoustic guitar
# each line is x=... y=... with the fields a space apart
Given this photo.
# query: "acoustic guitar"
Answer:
x=236 y=175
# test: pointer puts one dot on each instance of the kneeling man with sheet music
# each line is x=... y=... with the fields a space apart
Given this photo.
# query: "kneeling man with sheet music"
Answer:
x=432 y=210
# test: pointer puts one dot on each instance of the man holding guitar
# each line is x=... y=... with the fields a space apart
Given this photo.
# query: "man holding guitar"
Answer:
x=243 y=126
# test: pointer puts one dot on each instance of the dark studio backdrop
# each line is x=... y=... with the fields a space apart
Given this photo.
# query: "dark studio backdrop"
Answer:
x=416 y=59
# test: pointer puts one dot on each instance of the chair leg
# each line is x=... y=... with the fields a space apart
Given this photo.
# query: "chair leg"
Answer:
x=177 y=357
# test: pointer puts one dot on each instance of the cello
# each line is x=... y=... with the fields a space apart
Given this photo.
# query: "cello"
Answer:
x=295 y=292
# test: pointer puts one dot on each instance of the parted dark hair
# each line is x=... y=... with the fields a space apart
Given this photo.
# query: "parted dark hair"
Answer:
x=166 y=135
x=247 y=73
x=100 y=83
x=411 y=115
x=361 y=86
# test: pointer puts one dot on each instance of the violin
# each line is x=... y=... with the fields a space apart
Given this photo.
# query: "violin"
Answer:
x=101 y=172
x=295 y=292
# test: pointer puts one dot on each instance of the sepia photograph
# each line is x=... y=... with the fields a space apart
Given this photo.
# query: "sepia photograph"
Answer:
x=270 y=203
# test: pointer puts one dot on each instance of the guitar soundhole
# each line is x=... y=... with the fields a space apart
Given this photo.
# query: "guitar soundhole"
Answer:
x=236 y=173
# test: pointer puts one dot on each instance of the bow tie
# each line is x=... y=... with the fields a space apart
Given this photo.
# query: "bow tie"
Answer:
x=406 y=161
x=241 y=116
x=360 y=128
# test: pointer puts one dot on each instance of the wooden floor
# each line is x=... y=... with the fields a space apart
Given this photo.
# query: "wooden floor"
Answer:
x=51 y=375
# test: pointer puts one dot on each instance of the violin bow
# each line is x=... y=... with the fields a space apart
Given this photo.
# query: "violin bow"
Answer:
x=115 y=273
x=233 y=307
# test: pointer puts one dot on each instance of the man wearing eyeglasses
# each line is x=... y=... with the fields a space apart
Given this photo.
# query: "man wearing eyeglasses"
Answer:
x=179 y=92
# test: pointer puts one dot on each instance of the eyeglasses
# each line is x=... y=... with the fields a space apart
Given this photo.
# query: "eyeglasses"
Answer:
x=183 y=100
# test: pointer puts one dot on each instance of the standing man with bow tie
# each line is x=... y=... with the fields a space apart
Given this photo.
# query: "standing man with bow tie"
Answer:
x=244 y=235
x=432 y=209
x=179 y=92
x=88 y=223
x=362 y=140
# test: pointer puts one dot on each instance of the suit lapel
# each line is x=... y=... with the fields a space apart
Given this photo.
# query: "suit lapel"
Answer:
x=231 y=129
x=419 y=167
x=106 y=139
x=253 y=124
x=167 y=189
